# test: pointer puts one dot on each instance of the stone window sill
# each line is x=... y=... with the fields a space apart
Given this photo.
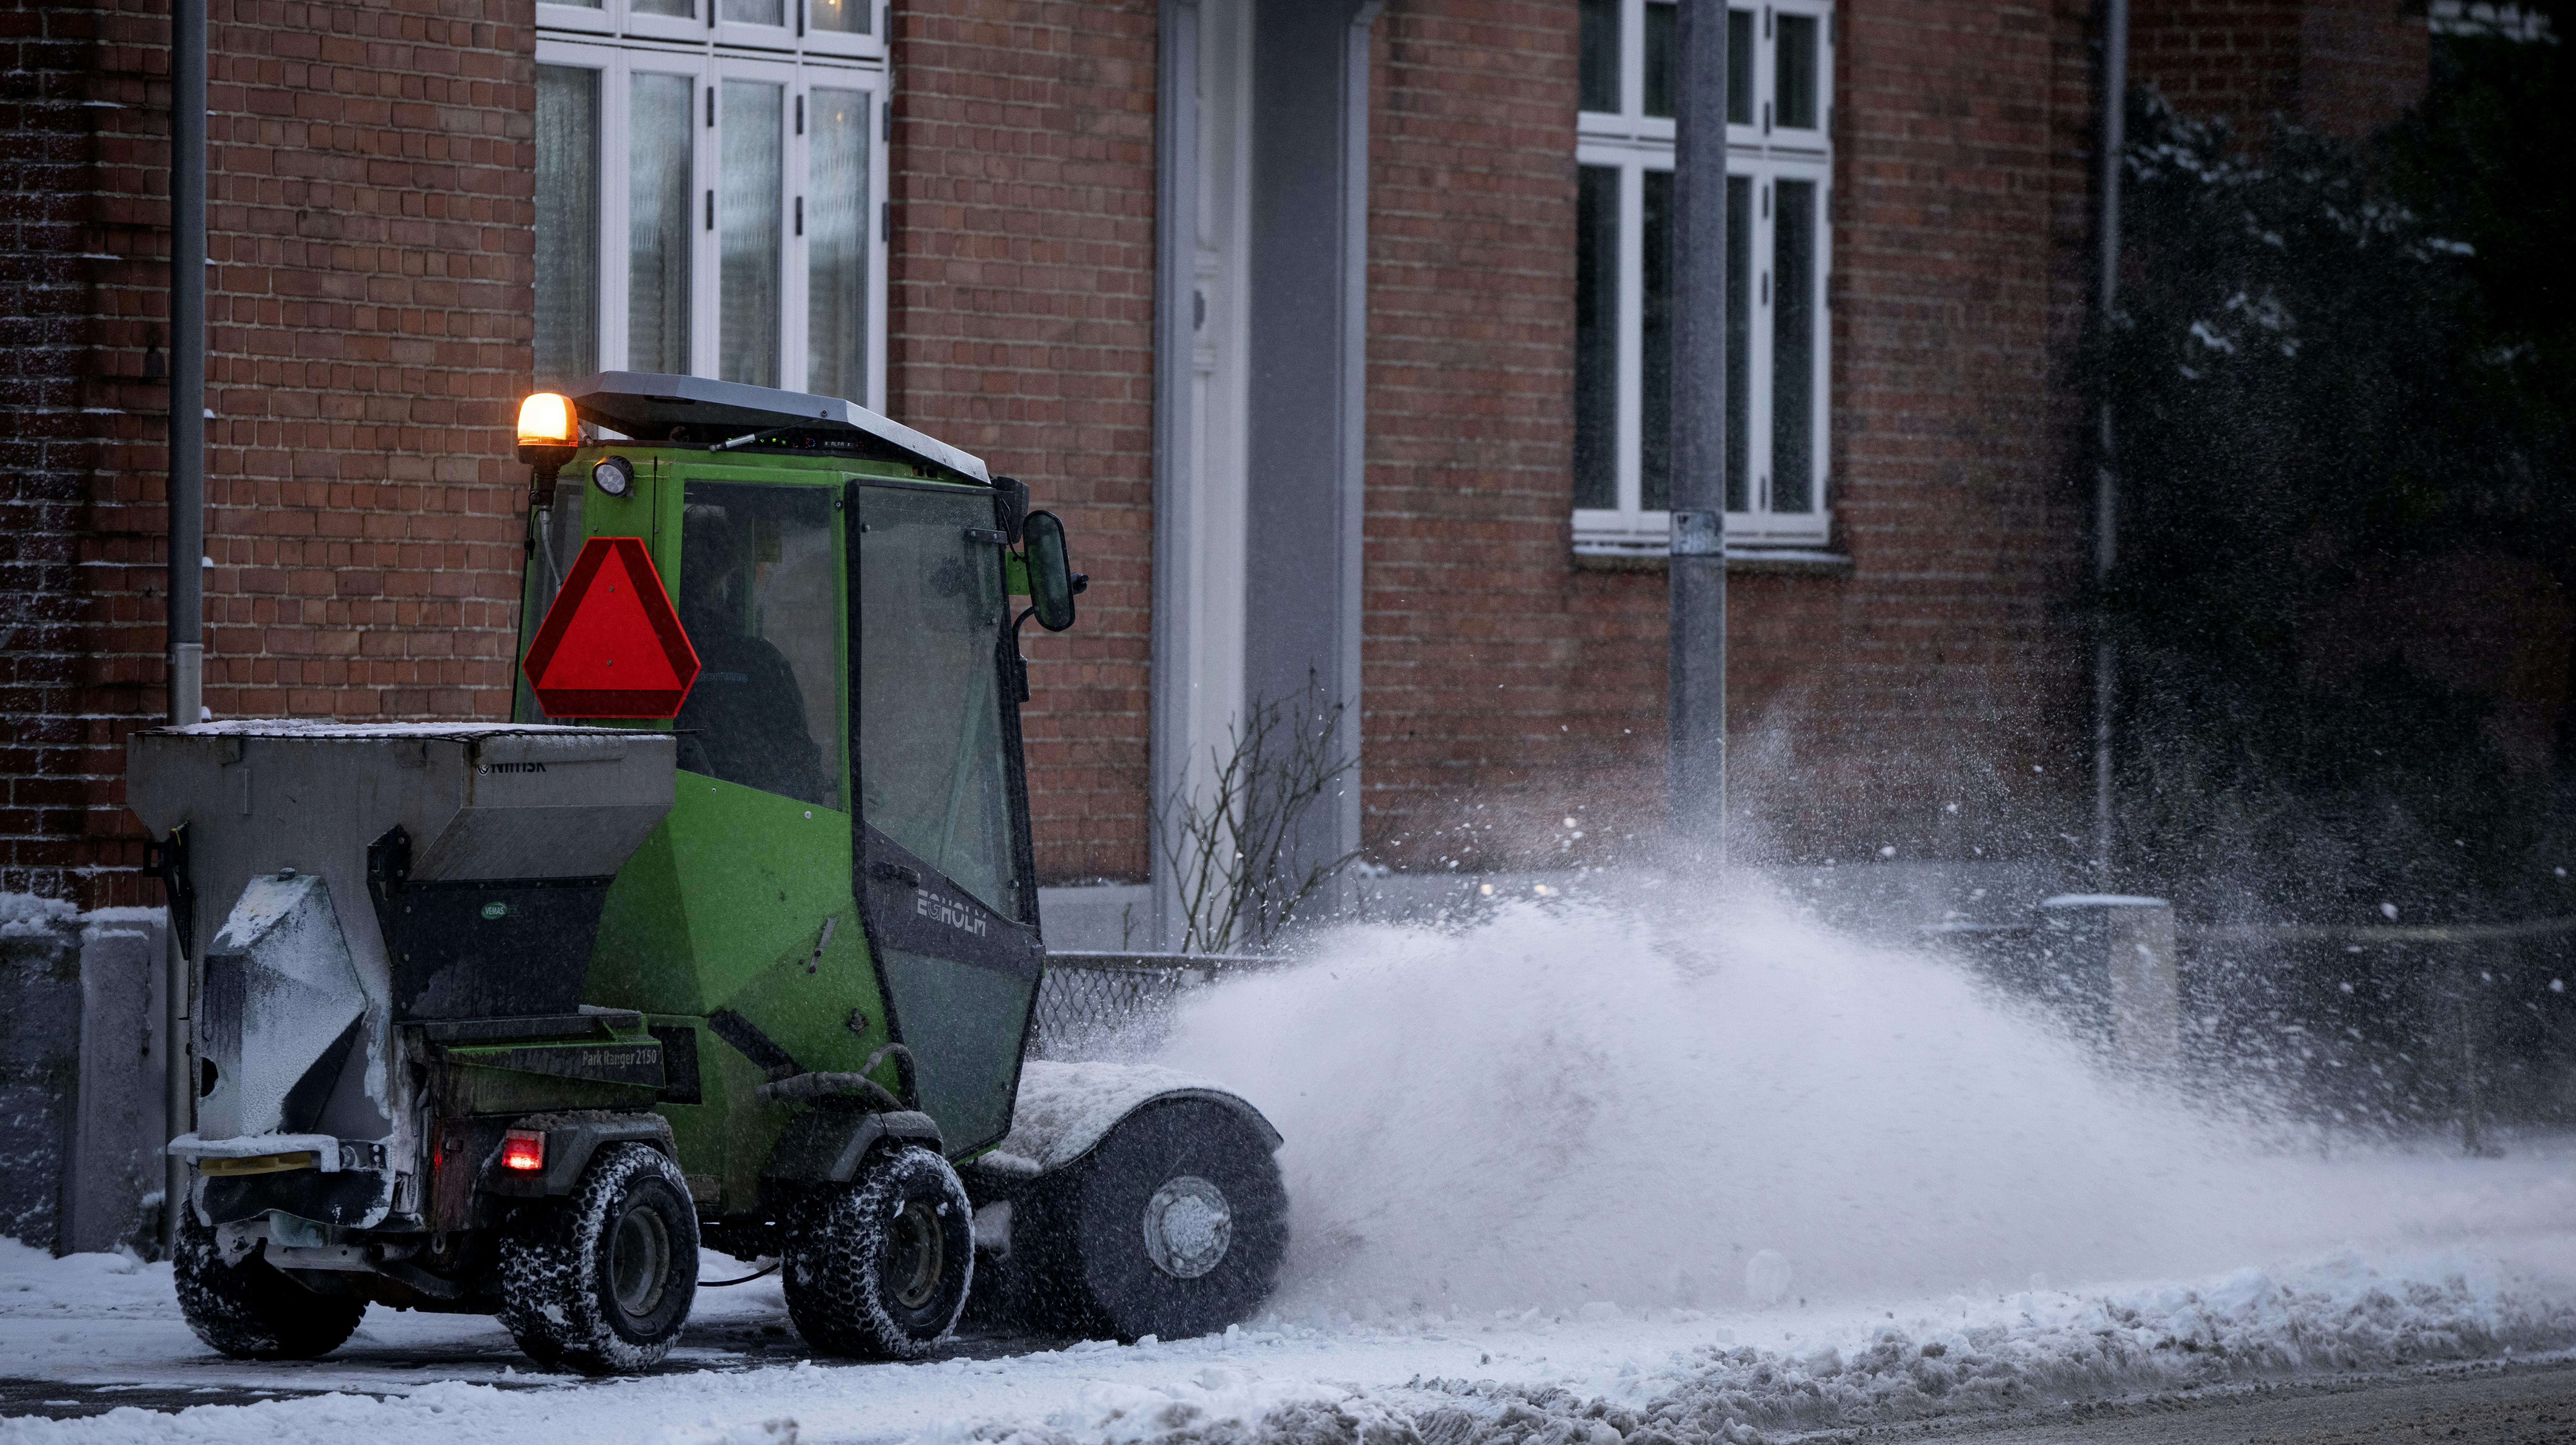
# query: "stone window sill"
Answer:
x=1751 y=561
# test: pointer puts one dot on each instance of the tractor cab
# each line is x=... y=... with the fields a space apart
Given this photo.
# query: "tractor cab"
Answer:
x=847 y=857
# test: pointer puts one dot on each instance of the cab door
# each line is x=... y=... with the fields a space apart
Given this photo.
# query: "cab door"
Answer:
x=942 y=855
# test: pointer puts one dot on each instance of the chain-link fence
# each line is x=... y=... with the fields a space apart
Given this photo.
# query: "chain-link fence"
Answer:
x=1101 y=1005
x=2470 y=1025
x=2376 y=1029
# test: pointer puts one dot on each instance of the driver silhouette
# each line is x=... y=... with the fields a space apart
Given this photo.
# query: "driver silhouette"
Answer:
x=744 y=721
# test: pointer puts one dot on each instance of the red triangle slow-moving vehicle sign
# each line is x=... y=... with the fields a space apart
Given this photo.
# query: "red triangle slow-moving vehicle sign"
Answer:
x=611 y=645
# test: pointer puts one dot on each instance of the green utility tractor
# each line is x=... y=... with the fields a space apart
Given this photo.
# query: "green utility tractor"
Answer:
x=731 y=936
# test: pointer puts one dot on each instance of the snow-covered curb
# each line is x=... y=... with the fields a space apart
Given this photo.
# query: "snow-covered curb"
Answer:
x=2040 y=1349
x=2063 y=1346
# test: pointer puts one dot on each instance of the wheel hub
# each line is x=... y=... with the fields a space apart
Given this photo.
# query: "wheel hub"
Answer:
x=639 y=1260
x=1188 y=1227
x=915 y=1255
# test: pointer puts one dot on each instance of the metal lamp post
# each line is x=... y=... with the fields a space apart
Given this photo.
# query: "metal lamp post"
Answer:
x=1696 y=665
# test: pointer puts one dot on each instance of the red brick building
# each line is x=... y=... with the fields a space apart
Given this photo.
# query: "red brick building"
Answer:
x=1332 y=329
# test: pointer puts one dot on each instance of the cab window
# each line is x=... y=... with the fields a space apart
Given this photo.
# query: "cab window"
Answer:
x=934 y=765
x=758 y=596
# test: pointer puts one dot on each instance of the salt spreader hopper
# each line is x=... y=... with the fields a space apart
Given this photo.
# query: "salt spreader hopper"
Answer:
x=731 y=936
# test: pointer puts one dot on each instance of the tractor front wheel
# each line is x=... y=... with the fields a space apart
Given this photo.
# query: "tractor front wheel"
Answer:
x=601 y=1282
x=879 y=1268
x=249 y=1310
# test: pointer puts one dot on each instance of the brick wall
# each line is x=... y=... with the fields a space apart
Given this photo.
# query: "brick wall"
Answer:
x=1948 y=669
x=370 y=224
x=1502 y=690
x=2233 y=58
x=1021 y=328
x=2344 y=67
x=2362 y=63
x=370 y=228
x=371 y=305
x=49 y=57
x=368 y=304
x=1509 y=688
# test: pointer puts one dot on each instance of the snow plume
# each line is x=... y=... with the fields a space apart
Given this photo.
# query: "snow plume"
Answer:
x=1714 y=1107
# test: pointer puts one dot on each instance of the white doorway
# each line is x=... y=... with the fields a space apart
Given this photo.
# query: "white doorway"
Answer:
x=1219 y=388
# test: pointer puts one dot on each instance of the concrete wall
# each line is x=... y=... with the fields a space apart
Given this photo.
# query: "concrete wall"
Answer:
x=39 y=1070
x=120 y=1111
x=80 y=1075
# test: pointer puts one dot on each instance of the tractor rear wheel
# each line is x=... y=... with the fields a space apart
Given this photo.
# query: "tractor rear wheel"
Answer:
x=879 y=1267
x=1173 y=1225
x=602 y=1281
x=249 y=1310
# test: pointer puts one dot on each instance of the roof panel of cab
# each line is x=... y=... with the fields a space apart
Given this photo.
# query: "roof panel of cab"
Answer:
x=646 y=405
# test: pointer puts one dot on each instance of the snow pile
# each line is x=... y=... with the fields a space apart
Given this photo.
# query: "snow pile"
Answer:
x=33 y=1281
x=1222 y=1403
x=24 y=915
x=442 y=1411
x=120 y=922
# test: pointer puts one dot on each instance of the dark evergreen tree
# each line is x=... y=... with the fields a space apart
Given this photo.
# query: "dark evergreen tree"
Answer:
x=2333 y=366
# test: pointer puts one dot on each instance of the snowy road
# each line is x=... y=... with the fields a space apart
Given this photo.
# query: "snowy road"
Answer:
x=103 y=1326
x=2489 y=1404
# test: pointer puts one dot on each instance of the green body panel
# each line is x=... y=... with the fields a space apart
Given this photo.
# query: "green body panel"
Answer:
x=732 y=889
x=723 y=1139
x=724 y=907
x=530 y=1076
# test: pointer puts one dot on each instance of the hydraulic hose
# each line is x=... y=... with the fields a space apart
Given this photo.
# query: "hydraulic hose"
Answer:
x=813 y=1087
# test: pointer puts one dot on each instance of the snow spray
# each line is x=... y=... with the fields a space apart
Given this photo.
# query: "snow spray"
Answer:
x=1571 y=1103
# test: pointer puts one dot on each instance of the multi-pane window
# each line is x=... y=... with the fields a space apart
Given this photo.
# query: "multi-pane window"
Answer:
x=710 y=191
x=1779 y=170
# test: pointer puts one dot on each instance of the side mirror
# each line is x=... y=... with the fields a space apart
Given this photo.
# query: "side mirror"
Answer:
x=1051 y=581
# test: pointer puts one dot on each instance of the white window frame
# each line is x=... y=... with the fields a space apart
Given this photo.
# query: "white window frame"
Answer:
x=1764 y=153
x=704 y=24
x=709 y=65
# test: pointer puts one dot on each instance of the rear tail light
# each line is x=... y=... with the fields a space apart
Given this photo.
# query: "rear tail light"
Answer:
x=523 y=1150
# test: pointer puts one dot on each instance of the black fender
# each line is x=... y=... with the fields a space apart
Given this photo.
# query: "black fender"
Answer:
x=1065 y=1110
x=826 y=1146
x=571 y=1140
x=1232 y=1103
